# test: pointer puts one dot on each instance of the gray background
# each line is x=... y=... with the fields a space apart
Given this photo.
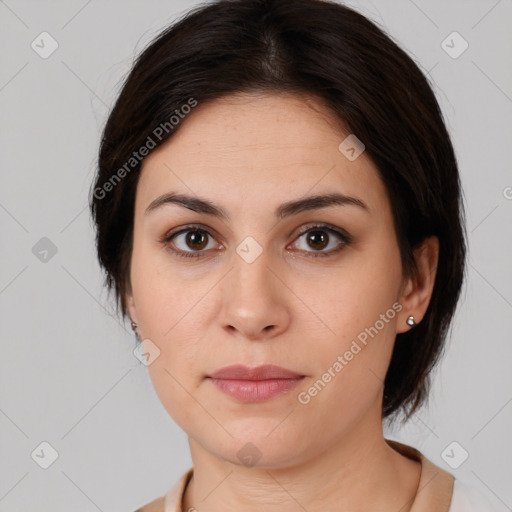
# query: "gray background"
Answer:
x=68 y=374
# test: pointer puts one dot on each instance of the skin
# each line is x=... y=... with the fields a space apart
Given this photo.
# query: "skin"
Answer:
x=249 y=154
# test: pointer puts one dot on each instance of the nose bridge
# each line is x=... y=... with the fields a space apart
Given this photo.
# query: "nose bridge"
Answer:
x=251 y=268
x=252 y=301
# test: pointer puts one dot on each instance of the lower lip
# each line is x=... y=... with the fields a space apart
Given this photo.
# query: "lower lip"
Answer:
x=255 y=390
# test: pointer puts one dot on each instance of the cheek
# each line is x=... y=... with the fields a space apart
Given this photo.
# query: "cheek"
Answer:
x=164 y=295
x=352 y=296
x=358 y=308
x=168 y=310
x=350 y=366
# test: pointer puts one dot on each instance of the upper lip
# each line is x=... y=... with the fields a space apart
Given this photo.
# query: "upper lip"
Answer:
x=264 y=372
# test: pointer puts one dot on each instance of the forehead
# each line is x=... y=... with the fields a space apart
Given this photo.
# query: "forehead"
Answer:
x=259 y=145
x=260 y=124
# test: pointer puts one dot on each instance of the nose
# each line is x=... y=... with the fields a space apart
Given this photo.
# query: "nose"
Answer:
x=255 y=302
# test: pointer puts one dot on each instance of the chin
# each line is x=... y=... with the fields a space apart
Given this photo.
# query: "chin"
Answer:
x=258 y=446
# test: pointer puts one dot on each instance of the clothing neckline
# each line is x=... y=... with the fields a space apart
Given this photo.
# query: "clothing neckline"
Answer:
x=435 y=487
x=434 y=491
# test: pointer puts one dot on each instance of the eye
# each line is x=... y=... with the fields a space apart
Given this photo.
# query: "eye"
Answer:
x=191 y=242
x=320 y=236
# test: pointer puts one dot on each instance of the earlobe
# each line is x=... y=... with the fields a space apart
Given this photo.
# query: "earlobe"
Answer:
x=132 y=311
x=417 y=292
x=130 y=303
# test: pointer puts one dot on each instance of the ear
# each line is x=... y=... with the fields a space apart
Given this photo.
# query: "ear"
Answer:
x=417 y=290
x=130 y=304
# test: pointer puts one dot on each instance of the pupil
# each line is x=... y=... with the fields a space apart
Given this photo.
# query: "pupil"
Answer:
x=196 y=238
x=318 y=237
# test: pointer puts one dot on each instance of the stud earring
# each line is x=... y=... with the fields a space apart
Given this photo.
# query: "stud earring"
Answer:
x=410 y=321
x=134 y=328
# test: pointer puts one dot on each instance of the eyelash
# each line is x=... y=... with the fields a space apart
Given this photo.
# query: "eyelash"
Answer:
x=346 y=240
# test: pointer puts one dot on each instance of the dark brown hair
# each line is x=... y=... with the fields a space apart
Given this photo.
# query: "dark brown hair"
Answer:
x=324 y=50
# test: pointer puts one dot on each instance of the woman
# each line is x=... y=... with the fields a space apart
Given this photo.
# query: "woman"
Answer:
x=278 y=210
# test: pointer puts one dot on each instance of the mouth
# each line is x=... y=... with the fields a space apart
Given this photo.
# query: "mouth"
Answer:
x=254 y=384
x=263 y=372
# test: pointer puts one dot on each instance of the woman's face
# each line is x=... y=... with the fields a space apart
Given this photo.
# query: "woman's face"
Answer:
x=267 y=283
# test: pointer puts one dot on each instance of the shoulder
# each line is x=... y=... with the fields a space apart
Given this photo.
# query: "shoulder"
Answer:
x=174 y=497
x=466 y=498
x=153 y=506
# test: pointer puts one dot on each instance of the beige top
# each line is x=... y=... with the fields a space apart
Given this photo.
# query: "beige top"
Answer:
x=434 y=491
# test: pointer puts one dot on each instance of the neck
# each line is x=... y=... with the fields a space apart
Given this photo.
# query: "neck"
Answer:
x=358 y=472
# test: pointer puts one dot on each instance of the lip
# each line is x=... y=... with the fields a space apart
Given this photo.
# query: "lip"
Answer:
x=254 y=384
x=263 y=372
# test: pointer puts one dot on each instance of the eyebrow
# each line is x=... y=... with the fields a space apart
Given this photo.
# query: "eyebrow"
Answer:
x=287 y=209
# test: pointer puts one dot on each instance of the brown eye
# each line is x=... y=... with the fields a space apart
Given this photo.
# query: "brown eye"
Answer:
x=196 y=239
x=317 y=239
x=314 y=240
x=190 y=242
